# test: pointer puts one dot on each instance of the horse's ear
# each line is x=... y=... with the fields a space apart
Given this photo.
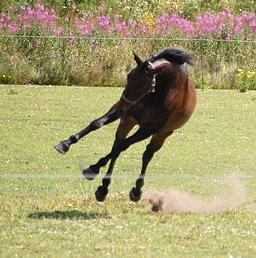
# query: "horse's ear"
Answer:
x=137 y=59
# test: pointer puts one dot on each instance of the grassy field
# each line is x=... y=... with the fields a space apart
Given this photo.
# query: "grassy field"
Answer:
x=47 y=209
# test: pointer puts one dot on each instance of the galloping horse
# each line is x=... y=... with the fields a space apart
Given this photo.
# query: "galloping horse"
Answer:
x=160 y=97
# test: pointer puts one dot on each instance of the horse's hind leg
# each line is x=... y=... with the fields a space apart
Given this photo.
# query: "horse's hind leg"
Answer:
x=102 y=190
x=140 y=135
x=112 y=115
x=125 y=126
x=155 y=144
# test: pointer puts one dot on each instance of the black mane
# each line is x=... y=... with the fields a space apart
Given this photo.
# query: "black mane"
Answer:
x=173 y=55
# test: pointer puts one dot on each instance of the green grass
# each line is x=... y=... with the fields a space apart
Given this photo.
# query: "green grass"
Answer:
x=46 y=209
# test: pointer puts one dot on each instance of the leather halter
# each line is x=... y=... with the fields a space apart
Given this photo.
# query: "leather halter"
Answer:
x=151 y=89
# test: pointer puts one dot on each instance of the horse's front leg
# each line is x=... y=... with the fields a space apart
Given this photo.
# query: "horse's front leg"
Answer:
x=125 y=126
x=112 y=115
x=155 y=144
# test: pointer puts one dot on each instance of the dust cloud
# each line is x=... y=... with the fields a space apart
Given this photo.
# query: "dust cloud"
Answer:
x=177 y=201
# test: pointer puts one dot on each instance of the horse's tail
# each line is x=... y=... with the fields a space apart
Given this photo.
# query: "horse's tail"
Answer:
x=174 y=55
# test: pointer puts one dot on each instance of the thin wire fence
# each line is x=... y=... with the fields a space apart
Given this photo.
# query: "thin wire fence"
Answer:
x=129 y=38
x=104 y=61
x=61 y=176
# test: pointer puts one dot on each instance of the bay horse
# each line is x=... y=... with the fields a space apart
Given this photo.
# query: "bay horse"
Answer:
x=160 y=97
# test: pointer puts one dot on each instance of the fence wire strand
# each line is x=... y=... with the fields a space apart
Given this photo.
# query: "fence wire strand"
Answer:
x=68 y=60
x=130 y=38
x=19 y=176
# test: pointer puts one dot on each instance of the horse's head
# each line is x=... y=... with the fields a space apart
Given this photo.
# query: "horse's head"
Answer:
x=140 y=81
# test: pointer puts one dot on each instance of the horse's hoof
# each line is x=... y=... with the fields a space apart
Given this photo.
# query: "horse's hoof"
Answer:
x=135 y=194
x=101 y=193
x=90 y=173
x=62 y=147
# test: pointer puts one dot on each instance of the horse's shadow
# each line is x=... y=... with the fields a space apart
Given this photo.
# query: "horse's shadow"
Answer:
x=72 y=214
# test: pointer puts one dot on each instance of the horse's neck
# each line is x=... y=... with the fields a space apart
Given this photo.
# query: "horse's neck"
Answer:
x=168 y=80
x=173 y=84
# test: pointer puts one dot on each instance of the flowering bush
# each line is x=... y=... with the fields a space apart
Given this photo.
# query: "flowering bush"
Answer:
x=224 y=25
x=50 y=47
x=245 y=79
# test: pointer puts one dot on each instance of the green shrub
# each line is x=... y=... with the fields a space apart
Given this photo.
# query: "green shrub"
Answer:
x=31 y=56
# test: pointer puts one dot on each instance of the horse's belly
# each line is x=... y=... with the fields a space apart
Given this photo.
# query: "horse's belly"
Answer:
x=149 y=116
x=170 y=116
x=177 y=119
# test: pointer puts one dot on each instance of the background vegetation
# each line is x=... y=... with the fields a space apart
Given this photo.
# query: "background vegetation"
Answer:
x=91 y=42
x=131 y=8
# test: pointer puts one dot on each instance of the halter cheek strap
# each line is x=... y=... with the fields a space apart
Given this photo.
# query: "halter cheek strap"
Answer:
x=153 y=84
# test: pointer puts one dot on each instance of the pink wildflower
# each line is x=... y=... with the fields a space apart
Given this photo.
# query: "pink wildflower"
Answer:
x=13 y=27
x=57 y=31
